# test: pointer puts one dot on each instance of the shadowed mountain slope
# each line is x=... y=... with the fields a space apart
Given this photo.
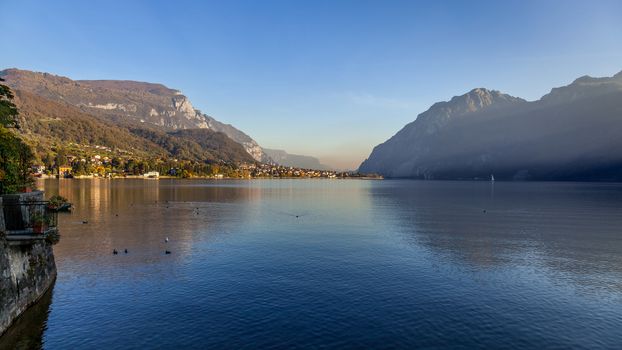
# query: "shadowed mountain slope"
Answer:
x=572 y=133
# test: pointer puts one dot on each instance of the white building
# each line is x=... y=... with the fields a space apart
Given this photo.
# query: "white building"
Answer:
x=152 y=175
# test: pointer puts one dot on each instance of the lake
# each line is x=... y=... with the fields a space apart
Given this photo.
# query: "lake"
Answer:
x=332 y=264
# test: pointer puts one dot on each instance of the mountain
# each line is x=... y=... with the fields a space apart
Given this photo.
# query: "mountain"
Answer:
x=197 y=144
x=48 y=124
x=294 y=160
x=145 y=105
x=216 y=142
x=572 y=133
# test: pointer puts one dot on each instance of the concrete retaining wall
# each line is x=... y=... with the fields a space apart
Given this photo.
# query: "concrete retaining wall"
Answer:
x=27 y=270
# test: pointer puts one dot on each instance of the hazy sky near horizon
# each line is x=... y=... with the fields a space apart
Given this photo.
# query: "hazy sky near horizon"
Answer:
x=330 y=79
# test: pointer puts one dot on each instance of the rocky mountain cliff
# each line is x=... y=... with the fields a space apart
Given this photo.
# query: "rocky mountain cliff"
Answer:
x=146 y=105
x=572 y=133
x=47 y=124
x=295 y=160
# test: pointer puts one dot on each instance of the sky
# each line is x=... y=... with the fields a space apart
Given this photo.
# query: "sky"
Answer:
x=330 y=79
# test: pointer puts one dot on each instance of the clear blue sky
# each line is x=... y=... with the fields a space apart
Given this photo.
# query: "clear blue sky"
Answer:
x=325 y=78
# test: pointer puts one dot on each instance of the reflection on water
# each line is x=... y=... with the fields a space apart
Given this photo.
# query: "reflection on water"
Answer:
x=376 y=264
x=138 y=214
x=27 y=331
x=570 y=232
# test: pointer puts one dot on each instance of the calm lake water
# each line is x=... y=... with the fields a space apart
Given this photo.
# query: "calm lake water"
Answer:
x=366 y=264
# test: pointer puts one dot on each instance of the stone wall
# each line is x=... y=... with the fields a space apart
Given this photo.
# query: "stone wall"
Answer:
x=1 y=218
x=27 y=270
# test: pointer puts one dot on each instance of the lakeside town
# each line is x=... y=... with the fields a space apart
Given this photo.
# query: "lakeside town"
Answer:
x=105 y=162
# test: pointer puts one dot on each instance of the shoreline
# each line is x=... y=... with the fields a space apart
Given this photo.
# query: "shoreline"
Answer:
x=210 y=178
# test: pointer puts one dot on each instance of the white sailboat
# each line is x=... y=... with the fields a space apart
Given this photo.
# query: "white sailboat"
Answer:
x=492 y=178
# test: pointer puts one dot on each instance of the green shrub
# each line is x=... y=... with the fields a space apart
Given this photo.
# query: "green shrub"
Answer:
x=56 y=201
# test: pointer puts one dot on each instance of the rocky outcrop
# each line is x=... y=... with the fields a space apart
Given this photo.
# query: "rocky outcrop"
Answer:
x=571 y=133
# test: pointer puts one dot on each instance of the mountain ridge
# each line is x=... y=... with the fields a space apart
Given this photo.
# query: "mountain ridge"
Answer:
x=152 y=105
x=50 y=125
x=567 y=134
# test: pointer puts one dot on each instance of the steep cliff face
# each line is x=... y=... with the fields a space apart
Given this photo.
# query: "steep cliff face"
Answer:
x=250 y=145
x=140 y=102
x=127 y=102
x=571 y=133
x=45 y=123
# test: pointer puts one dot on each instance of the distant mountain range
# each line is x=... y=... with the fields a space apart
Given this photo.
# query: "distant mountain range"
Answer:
x=294 y=160
x=572 y=133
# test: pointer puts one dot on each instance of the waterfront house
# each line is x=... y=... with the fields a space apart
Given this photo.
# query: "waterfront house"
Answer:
x=64 y=171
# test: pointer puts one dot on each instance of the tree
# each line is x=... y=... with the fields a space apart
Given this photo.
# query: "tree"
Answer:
x=15 y=156
x=8 y=110
x=116 y=163
x=61 y=157
x=48 y=160
x=79 y=168
x=15 y=163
